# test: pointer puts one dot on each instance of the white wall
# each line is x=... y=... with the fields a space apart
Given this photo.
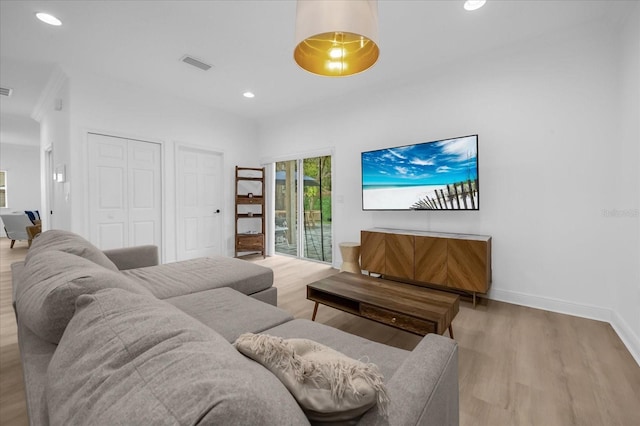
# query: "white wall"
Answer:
x=547 y=117
x=55 y=135
x=120 y=109
x=22 y=163
x=625 y=224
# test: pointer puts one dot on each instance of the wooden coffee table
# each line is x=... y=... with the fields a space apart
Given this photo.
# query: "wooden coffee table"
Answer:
x=408 y=307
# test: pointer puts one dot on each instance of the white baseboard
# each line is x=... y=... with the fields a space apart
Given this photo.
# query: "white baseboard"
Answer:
x=553 y=305
x=626 y=334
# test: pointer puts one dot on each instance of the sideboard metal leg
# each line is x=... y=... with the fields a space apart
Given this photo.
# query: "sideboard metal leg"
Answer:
x=315 y=311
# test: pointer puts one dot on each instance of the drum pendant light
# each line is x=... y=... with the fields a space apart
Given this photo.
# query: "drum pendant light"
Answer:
x=336 y=37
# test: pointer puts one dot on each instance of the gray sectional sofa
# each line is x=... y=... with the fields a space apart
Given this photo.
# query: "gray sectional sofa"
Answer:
x=113 y=338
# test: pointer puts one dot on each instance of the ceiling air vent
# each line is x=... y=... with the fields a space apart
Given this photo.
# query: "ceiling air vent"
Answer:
x=195 y=62
x=5 y=91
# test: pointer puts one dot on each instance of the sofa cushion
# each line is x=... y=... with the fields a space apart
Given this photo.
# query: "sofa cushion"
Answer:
x=329 y=386
x=51 y=282
x=138 y=360
x=205 y=273
x=229 y=312
x=57 y=239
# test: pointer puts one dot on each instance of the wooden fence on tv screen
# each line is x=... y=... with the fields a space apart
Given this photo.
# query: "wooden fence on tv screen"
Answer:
x=458 y=196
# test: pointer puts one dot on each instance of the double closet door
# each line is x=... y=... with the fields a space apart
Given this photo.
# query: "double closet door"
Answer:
x=125 y=187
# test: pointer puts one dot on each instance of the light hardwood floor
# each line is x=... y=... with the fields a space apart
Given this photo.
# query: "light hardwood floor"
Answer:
x=13 y=409
x=518 y=366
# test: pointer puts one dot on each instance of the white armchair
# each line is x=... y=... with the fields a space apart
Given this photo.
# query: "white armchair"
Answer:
x=19 y=227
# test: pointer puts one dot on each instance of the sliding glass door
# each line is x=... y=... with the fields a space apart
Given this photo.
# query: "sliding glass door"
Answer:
x=286 y=214
x=303 y=212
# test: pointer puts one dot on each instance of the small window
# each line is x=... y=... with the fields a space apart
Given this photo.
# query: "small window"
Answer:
x=3 y=189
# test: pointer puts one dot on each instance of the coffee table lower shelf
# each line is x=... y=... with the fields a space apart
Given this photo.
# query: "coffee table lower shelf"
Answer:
x=404 y=306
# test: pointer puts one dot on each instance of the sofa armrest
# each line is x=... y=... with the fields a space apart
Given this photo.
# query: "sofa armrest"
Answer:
x=424 y=390
x=133 y=257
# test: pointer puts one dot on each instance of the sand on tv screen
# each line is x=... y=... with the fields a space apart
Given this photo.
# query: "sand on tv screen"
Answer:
x=438 y=175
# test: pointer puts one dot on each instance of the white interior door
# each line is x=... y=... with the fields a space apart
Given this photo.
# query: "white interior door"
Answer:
x=144 y=192
x=199 y=197
x=125 y=189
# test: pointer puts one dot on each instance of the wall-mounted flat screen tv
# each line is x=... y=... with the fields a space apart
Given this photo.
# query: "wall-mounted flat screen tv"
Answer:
x=438 y=175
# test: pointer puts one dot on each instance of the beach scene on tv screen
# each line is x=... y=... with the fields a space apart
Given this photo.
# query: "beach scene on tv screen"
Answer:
x=440 y=175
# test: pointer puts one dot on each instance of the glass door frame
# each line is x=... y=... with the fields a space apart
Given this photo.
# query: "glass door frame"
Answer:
x=270 y=168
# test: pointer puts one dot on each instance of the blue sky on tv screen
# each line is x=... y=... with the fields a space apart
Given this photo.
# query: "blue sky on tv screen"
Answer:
x=430 y=163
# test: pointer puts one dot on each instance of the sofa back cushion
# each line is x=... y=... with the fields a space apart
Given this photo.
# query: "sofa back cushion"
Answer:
x=51 y=282
x=57 y=239
x=132 y=359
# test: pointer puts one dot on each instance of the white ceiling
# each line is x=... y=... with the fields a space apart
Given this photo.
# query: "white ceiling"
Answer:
x=250 y=45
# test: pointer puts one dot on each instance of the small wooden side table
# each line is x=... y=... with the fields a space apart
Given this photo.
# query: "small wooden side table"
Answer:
x=350 y=257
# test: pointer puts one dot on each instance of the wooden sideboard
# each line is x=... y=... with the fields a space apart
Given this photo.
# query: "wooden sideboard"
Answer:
x=457 y=261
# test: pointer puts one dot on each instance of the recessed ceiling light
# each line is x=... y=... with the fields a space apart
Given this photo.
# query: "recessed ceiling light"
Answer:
x=474 y=4
x=249 y=95
x=49 y=19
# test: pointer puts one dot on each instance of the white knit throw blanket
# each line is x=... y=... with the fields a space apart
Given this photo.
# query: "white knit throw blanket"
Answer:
x=322 y=380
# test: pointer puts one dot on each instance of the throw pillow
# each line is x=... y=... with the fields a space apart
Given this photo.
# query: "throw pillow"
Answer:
x=328 y=385
x=33 y=215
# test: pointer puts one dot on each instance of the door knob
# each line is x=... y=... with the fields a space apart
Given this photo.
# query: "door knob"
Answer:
x=217 y=211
